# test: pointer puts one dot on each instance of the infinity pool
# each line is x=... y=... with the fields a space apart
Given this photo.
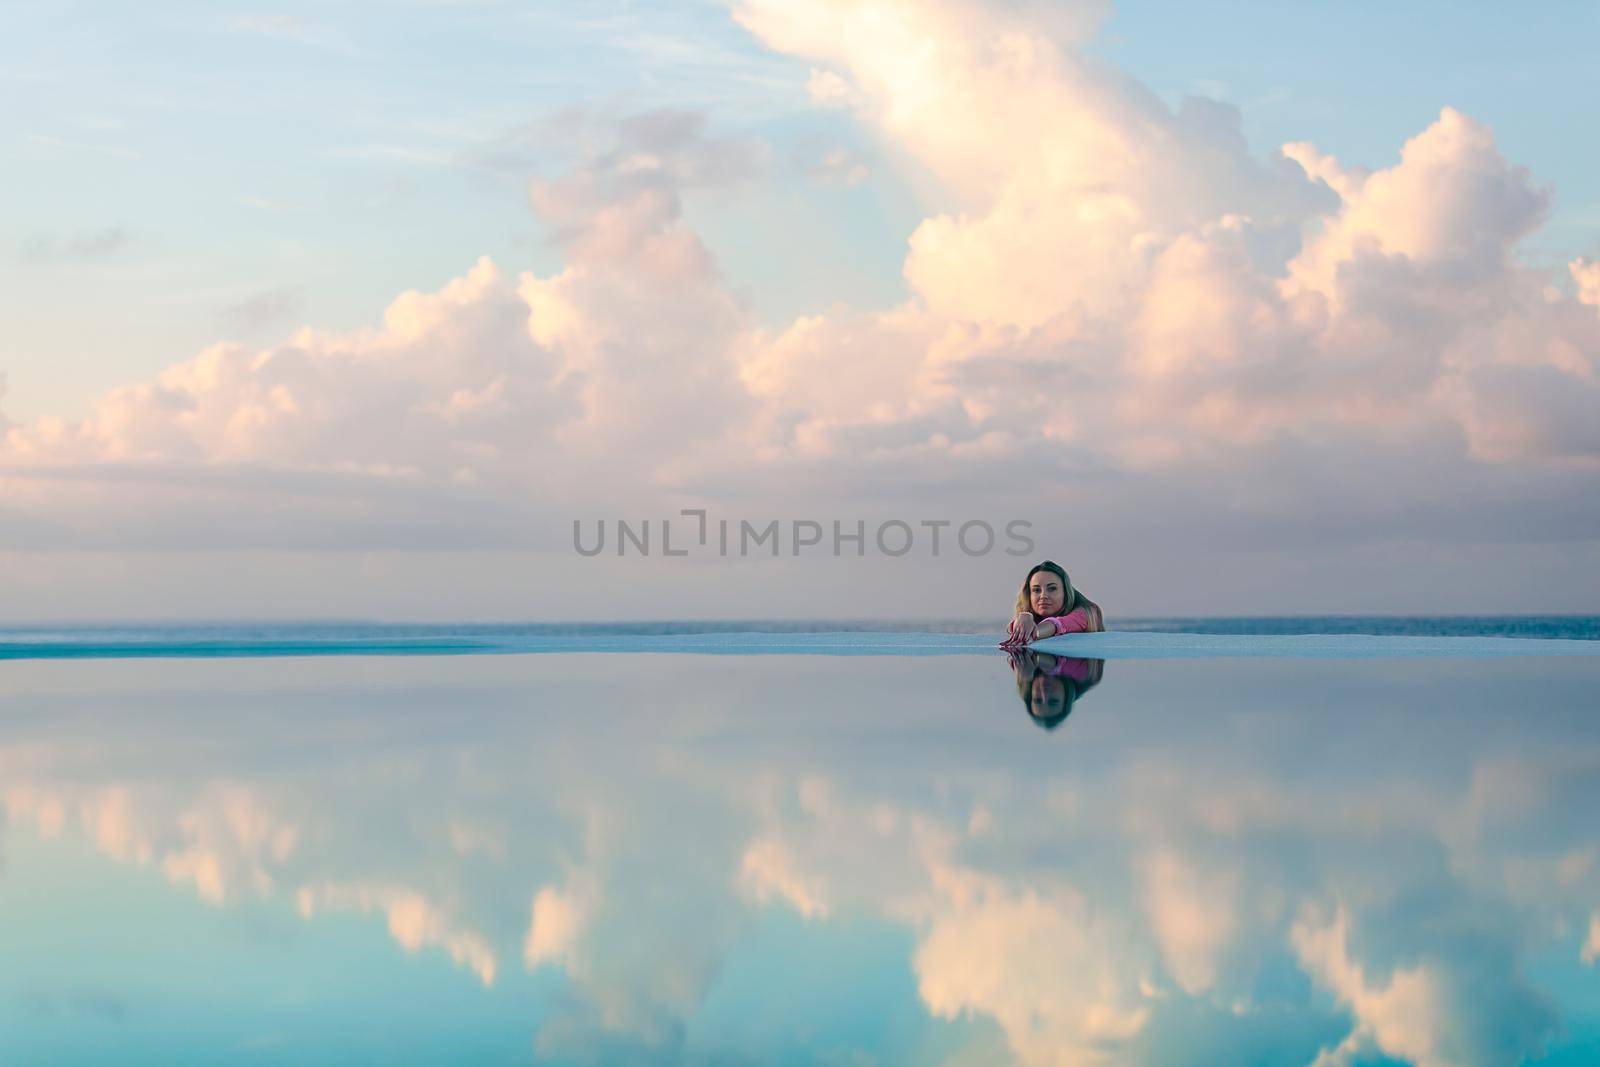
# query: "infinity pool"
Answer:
x=615 y=857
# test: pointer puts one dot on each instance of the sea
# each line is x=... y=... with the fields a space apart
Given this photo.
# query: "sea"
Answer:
x=1310 y=841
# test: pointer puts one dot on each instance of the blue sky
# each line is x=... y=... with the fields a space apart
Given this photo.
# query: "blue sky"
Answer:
x=265 y=167
x=490 y=268
x=1361 y=78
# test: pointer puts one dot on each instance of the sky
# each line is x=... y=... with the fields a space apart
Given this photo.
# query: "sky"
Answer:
x=353 y=310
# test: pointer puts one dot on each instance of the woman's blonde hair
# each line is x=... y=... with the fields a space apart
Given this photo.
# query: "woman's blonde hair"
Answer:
x=1073 y=599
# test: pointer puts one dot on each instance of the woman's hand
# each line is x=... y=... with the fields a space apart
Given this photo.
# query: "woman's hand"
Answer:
x=1023 y=664
x=1020 y=632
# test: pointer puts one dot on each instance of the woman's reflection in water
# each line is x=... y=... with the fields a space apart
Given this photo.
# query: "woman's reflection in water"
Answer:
x=1050 y=685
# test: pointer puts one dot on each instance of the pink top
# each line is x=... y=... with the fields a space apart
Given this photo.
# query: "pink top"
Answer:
x=1067 y=667
x=1075 y=621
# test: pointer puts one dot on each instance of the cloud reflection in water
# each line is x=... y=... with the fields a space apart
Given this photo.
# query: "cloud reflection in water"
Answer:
x=1285 y=862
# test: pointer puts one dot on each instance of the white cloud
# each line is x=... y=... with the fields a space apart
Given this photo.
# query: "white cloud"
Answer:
x=1040 y=961
x=372 y=400
x=1452 y=206
x=1402 y=1017
x=44 y=810
x=767 y=871
x=554 y=925
x=225 y=841
x=1194 y=916
x=110 y=819
x=1060 y=973
x=1435 y=1002
x=232 y=841
x=414 y=921
x=1065 y=173
x=1586 y=273
x=1114 y=303
x=1145 y=257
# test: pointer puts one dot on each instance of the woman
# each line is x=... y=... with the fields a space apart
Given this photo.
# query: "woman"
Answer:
x=1050 y=685
x=1048 y=605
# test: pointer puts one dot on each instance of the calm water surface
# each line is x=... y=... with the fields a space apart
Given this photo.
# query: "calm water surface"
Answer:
x=665 y=858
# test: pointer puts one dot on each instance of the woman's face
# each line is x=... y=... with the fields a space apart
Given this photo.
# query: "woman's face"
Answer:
x=1049 y=697
x=1046 y=593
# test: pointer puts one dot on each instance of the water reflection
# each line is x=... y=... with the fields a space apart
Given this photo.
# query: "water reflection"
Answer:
x=617 y=862
x=1050 y=685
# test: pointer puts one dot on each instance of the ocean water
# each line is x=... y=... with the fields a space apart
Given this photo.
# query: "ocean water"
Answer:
x=234 y=854
x=1358 y=636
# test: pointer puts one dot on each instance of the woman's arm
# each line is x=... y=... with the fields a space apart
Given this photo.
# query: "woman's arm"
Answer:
x=1066 y=667
x=1075 y=621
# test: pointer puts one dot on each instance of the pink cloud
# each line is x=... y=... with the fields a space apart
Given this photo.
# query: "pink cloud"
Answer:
x=1112 y=295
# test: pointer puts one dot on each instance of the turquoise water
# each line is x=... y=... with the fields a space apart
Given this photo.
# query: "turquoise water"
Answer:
x=1352 y=636
x=609 y=857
